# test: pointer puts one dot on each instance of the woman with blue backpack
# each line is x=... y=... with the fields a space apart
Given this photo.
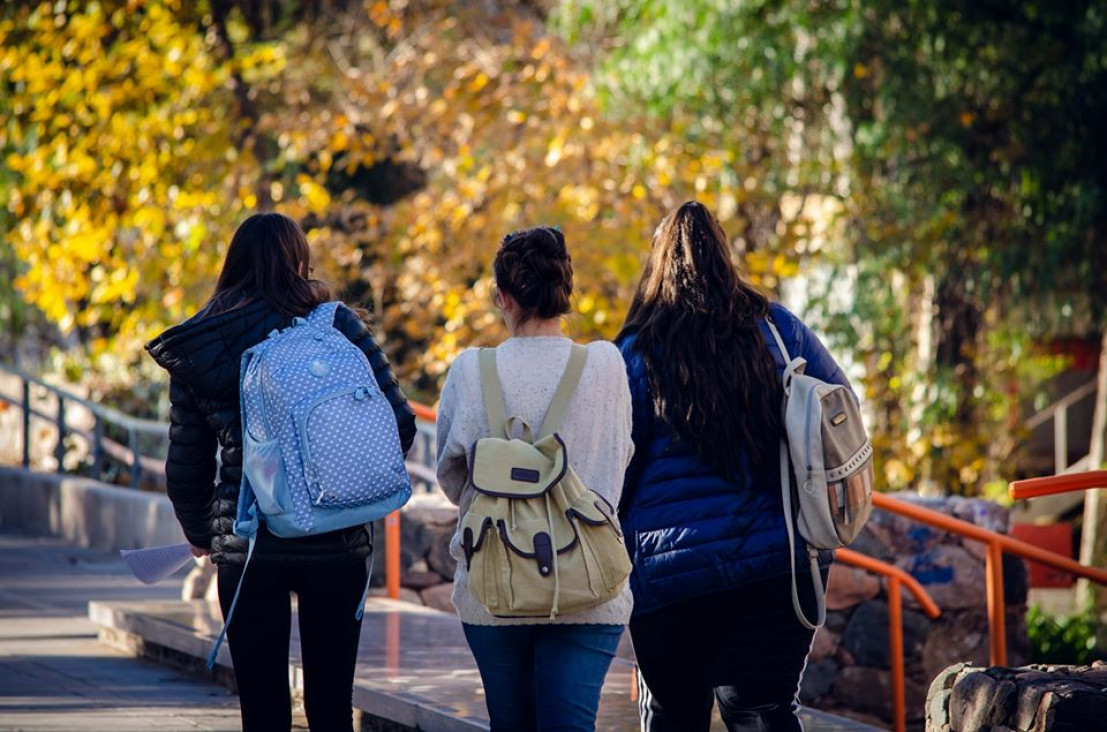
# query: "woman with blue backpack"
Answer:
x=265 y=290
x=702 y=507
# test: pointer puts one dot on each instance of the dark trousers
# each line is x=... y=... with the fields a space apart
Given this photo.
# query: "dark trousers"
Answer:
x=259 y=637
x=743 y=648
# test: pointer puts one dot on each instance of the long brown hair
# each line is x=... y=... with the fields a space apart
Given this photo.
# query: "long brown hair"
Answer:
x=711 y=376
x=268 y=259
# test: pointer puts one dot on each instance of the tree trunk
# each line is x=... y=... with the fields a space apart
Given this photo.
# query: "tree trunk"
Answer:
x=1093 y=543
x=959 y=321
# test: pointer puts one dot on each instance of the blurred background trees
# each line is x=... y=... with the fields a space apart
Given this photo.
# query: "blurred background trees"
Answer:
x=926 y=177
x=953 y=144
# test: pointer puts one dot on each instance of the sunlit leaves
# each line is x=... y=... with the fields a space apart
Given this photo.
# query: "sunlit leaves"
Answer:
x=114 y=129
x=509 y=133
x=407 y=137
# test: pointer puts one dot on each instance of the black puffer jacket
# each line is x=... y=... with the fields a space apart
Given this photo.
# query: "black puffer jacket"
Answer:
x=202 y=357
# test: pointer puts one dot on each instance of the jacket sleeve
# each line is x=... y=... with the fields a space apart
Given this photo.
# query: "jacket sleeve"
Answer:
x=820 y=363
x=453 y=465
x=640 y=409
x=354 y=329
x=190 y=466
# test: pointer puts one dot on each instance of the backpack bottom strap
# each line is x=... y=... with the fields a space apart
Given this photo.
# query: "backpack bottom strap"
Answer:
x=230 y=613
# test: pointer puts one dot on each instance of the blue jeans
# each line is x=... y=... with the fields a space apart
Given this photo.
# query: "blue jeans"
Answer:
x=543 y=677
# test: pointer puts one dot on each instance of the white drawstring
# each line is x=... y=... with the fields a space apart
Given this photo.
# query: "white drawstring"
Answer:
x=553 y=542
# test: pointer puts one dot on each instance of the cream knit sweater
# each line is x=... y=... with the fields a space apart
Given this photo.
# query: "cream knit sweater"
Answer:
x=596 y=431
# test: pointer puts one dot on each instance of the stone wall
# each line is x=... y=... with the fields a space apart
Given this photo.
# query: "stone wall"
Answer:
x=848 y=669
x=426 y=567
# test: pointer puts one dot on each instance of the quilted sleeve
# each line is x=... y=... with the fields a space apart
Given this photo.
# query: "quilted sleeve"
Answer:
x=358 y=332
x=190 y=466
x=640 y=410
x=820 y=363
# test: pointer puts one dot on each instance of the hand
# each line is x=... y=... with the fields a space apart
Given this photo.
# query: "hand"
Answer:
x=198 y=552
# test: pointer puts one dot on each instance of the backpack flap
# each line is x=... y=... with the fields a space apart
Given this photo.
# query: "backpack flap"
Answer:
x=593 y=509
x=526 y=531
x=473 y=528
x=515 y=468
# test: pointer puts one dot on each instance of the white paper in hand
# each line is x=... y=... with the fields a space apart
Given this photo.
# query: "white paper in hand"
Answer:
x=156 y=563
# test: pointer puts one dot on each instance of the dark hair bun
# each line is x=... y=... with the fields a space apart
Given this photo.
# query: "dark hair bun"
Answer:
x=534 y=267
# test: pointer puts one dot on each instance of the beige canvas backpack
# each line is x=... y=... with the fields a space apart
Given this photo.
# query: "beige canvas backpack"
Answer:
x=536 y=541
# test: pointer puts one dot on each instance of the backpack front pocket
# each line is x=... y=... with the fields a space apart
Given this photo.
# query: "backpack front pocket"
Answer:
x=336 y=431
x=481 y=560
x=601 y=539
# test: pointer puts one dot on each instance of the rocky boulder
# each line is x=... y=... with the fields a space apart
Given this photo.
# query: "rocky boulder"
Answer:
x=967 y=698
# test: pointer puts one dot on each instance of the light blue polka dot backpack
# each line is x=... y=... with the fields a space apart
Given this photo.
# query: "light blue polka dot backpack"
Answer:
x=321 y=450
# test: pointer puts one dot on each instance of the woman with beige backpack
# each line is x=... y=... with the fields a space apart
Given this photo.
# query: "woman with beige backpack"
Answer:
x=533 y=441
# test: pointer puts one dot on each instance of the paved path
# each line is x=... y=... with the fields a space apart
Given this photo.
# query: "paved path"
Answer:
x=55 y=675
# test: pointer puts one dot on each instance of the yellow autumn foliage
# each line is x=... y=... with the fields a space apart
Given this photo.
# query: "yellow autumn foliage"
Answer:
x=124 y=166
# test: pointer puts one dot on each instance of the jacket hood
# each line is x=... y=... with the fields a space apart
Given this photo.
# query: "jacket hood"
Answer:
x=204 y=343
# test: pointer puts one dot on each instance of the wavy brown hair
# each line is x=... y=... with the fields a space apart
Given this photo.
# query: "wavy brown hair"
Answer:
x=268 y=259
x=712 y=378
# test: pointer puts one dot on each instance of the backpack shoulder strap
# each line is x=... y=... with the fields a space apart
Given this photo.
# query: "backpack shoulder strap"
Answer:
x=323 y=314
x=792 y=366
x=565 y=390
x=812 y=555
x=493 y=394
x=779 y=341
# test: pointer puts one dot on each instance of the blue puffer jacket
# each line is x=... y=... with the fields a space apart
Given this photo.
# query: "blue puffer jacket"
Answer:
x=689 y=530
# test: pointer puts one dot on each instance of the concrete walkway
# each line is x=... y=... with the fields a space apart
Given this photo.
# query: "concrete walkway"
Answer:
x=54 y=673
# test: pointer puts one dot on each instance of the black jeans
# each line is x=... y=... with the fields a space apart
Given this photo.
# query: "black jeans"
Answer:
x=744 y=648
x=259 y=636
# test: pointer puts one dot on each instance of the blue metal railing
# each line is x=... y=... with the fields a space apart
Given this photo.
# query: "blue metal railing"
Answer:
x=101 y=446
x=420 y=462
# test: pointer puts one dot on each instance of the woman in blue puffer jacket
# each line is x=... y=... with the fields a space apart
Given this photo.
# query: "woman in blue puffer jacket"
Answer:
x=701 y=506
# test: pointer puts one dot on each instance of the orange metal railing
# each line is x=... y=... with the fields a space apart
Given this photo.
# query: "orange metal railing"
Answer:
x=996 y=544
x=1035 y=487
x=898 y=579
x=423 y=412
x=392 y=522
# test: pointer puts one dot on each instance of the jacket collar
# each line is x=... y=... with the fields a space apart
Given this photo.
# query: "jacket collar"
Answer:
x=203 y=341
